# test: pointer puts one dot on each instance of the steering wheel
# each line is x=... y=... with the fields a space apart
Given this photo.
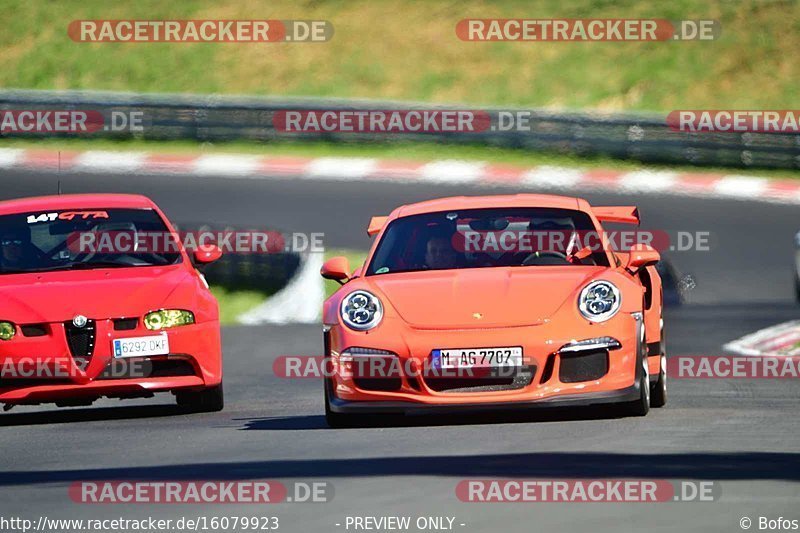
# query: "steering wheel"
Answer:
x=532 y=258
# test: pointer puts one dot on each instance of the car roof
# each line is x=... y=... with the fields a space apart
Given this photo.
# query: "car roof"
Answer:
x=75 y=201
x=494 y=201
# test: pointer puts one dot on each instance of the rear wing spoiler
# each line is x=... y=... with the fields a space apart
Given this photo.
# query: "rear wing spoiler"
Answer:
x=376 y=225
x=623 y=214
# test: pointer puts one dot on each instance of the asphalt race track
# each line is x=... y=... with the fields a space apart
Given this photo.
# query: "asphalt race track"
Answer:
x=742 y=434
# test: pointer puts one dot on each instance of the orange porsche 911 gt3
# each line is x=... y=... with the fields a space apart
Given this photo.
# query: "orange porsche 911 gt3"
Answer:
x=509 y=302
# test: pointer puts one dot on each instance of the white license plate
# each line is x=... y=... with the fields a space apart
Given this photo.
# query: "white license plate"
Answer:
x=479 y=357
x=141 y=346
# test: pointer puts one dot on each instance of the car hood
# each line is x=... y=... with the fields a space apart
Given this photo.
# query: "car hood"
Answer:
x=482 y=298
x=96 y=293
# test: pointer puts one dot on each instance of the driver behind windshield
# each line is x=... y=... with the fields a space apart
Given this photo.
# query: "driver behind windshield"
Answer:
x=18 y=252
x=555 y=237
x=59 y=243
x=506 y=237
x=439 y=251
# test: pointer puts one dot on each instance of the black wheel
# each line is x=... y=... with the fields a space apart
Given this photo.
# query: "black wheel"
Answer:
x=204 y=401
x=641 y=406
x=658 y=392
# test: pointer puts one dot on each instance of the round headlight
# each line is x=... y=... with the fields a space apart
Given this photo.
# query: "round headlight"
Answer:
x=361 y=310
x=7 y=330
x=599 y=301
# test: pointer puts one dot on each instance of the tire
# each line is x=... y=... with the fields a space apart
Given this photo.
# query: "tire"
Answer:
x=658 y=392
x=341 y=420
x=208 y=400
x=641 y=406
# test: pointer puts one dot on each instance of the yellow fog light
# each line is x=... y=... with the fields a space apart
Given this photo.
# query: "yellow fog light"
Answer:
x=7 y=330
x=168 y=318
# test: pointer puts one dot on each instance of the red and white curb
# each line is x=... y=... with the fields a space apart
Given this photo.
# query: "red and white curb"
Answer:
x=706 y=185
x=299 y=302
x=778 y=340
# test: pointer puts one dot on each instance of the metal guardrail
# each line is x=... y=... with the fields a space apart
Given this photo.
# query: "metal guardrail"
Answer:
x=642 y=137
x=267 y=272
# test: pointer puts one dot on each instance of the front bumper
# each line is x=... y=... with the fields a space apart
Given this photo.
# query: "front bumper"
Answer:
x=628 y=394
x=548 y=386
x=55 y=374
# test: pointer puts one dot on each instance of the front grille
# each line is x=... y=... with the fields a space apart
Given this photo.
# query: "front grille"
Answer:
x=142 y=367
x=80 y=340
x=583 y=366
x=378 y=384
x=490 y=382
x=375 y=373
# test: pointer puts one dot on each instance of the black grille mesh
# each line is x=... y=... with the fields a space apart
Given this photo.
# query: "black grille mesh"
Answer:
x=80 y=340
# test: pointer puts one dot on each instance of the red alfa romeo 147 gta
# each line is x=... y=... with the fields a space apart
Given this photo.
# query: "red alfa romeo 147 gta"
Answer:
x=99 y=299
x=498 y=301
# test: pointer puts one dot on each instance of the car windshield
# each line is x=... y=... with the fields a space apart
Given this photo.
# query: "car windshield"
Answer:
x=482 y=238
x=84 y=238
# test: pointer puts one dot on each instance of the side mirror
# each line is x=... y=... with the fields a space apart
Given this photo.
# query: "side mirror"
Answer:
x=642 y=255
x=583 y=253
x=336 y=268
x=207 y=254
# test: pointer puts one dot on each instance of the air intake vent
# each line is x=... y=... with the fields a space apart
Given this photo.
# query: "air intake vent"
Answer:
x=80 y=340
x=34 y=330
x=124 y=324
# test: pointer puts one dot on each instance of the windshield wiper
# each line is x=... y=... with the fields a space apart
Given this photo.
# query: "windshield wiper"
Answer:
x=17 y=271
x=78 y=265
x=100 y=264
x=34 y=270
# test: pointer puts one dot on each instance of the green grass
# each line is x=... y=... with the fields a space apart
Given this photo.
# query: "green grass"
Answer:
x=416 y=151
x=356 y=259
x=411 y=52
x=234 y=303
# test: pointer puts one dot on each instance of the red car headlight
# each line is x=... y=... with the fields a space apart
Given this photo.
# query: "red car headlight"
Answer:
x=168 y=318
x=7 y=331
